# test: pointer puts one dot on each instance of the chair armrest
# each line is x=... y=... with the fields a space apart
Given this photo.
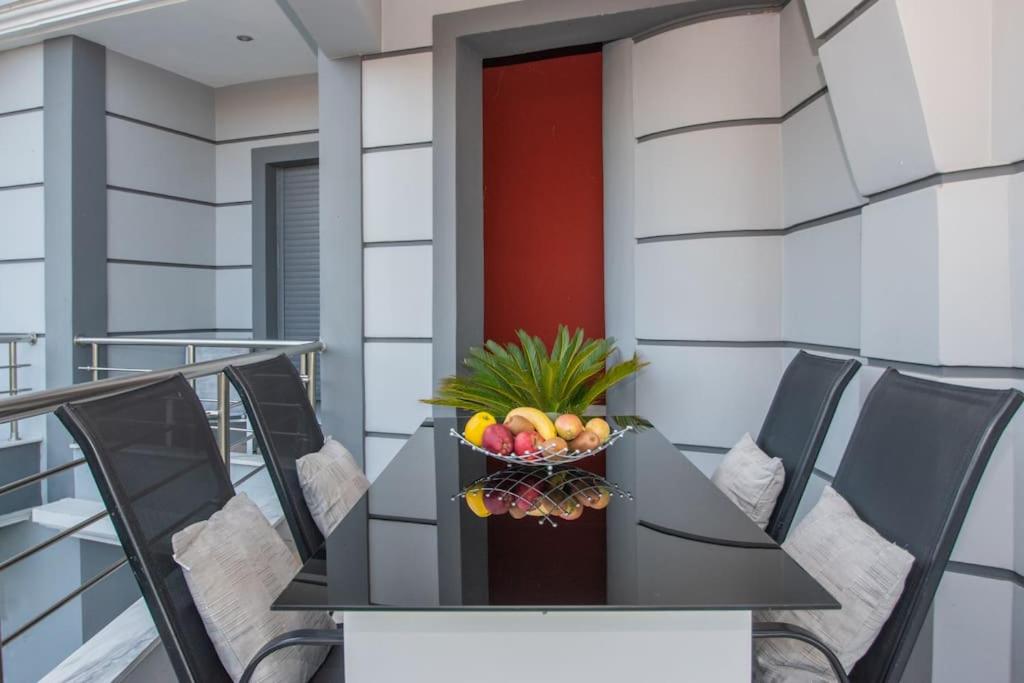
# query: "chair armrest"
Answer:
x=307 y=636
x=777 y=629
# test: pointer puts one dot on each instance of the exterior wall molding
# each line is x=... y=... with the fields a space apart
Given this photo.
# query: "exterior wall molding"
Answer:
x=27 y=18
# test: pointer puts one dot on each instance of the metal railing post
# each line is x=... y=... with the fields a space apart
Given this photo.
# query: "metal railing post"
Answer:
x=95 y=362
x=12 y=381
x=311 y=384
x=190 y=359
x=223 y=418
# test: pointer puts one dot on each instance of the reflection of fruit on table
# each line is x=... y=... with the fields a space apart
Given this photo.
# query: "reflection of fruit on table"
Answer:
x=562 y=494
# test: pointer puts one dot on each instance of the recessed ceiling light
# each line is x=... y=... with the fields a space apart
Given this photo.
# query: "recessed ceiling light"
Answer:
x=244 y=38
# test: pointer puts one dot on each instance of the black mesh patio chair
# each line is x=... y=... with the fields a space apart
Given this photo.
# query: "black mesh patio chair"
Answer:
x=158 y=469
x=286 y=429
x=910 y=471
x=797 y=422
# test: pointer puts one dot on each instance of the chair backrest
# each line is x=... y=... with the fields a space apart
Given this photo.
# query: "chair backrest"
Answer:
x=796 y=425
x=286 y=429
x=910 y=470
x=158 y=469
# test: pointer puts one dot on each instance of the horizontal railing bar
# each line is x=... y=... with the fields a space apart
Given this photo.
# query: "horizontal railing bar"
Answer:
x=41 y=402
x=32 y=478
x=65 y=600
x=90 y=368
x=248 y=476
x=19 y=365
x=205 y=343
x=19 y=390
x=38 y=547
x=27 y=337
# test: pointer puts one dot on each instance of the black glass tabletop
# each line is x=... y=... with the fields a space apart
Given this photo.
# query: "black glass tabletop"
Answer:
x=636 y=527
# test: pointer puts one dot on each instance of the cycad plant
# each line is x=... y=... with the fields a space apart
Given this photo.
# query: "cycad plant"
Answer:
x=568 y=380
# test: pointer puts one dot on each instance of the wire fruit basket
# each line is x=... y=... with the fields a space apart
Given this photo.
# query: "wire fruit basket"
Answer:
x=541 y=457
x=559 y=495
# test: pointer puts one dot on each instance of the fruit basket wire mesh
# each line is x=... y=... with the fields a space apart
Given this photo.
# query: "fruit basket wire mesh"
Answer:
x=560 y=495
x=541 y=457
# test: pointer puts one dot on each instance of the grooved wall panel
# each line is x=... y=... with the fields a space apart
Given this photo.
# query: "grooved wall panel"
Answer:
x=876 y=100
x=397 y=283
x=144 y=298
x=801 y=73
x=816 y=176
x=22 y=303
x=272 y=107
x=234 y=235
x=707 y=395
x=821 y=282
x=157 y=229
x=21 y=139
x=824 y=14
x=1016 y=252
x=408 y=172
x=144 y=158
x=148 y=93
x=398 y=375
x=1007 y=95
x=22 y=225
x=407 y=24
x=709 y=180
x=708 y=71
x=717 y=289
x=234 y=298
x=974 y=618
x=234 y=166
x=397 y=100
x=21 y=78
x=379 y=452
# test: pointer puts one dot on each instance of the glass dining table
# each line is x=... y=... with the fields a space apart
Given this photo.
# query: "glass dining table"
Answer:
x=631 y=565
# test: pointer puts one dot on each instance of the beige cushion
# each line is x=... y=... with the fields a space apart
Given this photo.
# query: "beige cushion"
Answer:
x=751 y=480
x=863 y=571
x=331 y=484
x=235 y=566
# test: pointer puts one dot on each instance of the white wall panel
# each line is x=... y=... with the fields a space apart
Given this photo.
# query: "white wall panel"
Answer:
x=22 y=223
x=843 y=422
x=815 y=485
x=816 y=175
x=874 y=93
x=380 y=451
x=1007 y=95
x=144 y=158
x=22 y=304
x=974 y=270
x=709 y=289
x=154 y=229
x=408 y=24
x=821 y=279
x=234 y=298
x=900 y=278
x=403 y=563
x=21 y=78
x=234 y=166
x=21 y=139
x=824 y=14
x=407 y=173
x=709 y=180
x=398 y=100
x=279 y=105
x=707 y=396
x=142 y=298
x=973 y=630
x=148 y=93
x=397 y=376
x=234 y=235
x=801 y=73
x=397 y=287
x=1016 y=251
x=708 y=71
x=707 y=463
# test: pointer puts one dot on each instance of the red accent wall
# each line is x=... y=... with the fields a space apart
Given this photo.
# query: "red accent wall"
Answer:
x=543 y=197
x=544 y=265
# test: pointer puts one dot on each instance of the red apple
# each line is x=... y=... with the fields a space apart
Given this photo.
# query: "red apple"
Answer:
x=527 y=492
x=496 y=503
x=527 y=442
x=498 y=439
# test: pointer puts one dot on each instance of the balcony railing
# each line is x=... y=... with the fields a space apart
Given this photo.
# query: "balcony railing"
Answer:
x=22 y=404
x=13 y=366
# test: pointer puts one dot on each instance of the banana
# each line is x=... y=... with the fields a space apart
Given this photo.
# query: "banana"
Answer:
x=541 y=422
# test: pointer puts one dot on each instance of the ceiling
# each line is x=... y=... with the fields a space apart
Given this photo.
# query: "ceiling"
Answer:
x=196 y=39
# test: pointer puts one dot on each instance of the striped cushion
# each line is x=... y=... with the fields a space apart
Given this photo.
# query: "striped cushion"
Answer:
x=331 y=484
x=235 y=565
x=863 y=571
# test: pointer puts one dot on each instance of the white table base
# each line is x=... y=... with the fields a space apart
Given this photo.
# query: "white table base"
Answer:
x=555 y=647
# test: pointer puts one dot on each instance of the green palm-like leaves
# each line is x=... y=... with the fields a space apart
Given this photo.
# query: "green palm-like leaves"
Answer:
x=568 y=380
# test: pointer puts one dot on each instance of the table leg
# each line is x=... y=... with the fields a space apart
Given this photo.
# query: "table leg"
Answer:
x=594 y=646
